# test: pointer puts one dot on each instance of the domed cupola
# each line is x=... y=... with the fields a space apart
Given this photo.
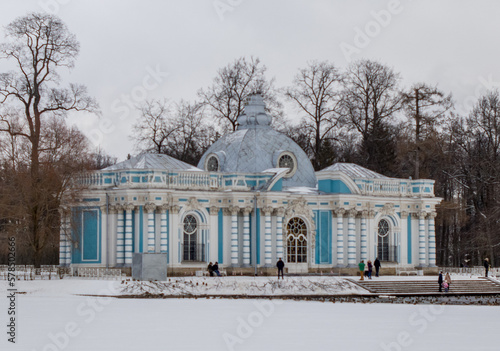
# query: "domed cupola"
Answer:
x=255 y=147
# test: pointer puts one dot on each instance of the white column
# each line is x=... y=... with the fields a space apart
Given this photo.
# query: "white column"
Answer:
x=340 y=236
x=432 y=239
x=63 y=239
x=364 y=236
x=128 y=234
x=404 y=238
x=246 y=235
x=280 y=212
x=421 y=239
x=120 y=235
x=104 y=237
x=351 y=238
x=163 y=229
x=234 y=236
x=175 y=235
x=213 y=239
x=268 y=243
x=150 y=208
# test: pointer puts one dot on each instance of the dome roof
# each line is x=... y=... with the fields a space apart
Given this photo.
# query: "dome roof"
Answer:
x=256 y=147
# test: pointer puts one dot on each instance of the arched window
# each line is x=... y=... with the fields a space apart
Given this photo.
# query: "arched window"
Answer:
x=296 y=234
x=287 y=160
x=191 y=247
x=383 y=243
x=213 y=164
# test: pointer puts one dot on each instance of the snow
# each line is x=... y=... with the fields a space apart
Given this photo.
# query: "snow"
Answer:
x=51 y=317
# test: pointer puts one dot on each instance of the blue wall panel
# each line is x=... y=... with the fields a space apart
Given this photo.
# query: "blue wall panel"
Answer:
x=221 y=237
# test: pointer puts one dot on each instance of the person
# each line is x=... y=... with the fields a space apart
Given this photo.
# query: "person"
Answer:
x=215 y=268
x=440 y=281
x=447 y=279
x=281 y=265
x=445 y=286
x=370 y=269
x=377 y=266
x=361 y=266
x=210 y=269
x=487 y=266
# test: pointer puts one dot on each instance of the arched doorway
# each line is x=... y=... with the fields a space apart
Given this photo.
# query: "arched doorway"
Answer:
x=386 y=251
x=296 y=245
x=192 y=248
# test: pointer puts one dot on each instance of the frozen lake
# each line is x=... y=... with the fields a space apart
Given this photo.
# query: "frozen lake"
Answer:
x=88 y=323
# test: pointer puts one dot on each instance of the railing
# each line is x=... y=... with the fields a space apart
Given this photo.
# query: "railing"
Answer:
x=476 y=270
x=192 y=180
x=398 y=187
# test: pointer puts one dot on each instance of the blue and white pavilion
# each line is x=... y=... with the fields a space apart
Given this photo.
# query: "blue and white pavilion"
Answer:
x=253 y=198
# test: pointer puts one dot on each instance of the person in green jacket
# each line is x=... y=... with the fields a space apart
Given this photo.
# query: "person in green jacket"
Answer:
x=361 y=266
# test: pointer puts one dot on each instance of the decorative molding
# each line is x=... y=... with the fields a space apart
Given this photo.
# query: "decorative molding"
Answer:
x=339 y=212
x=213 y=210
x=432 y=215
x=352 y=213
x=388 y=209
x=422 y=214
x=247 y=210
x=299 y=208
x=404 y=214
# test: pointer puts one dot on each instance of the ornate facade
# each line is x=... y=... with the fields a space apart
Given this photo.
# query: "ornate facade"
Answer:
x=253 y=198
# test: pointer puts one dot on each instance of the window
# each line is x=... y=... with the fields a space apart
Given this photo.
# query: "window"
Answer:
x=287 y=160
x=385 y=252
x=191 y=247
x=213 y=164
x=296 y=230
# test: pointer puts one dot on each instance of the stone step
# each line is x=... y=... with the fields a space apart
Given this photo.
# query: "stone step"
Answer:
x=428 y=286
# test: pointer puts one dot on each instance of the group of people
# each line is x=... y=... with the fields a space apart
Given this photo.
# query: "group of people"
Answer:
x=444 y=283
x=213 y=269
x=370 y=266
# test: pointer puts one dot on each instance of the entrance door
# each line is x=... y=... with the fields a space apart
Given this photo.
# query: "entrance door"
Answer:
x=296 y=258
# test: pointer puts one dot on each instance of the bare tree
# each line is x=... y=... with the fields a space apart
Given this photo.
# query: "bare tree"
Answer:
x=154 y=126
x=39 y=44
x=316 y=93
x=227 y=95
x=425 y=105
x=369 y=101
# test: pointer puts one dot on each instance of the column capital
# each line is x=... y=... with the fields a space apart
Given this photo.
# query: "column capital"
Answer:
x=150 y=207
x=213 y=210
x=112 y=209
x=339 y=211
x=363 y=213
x=174 y=208
x=118 y=207
x=129 y=207
x=404 y=214
x=247 y=210
x=352 y=213
x=268 y=210
x=234 y=210
x=422 y=215
x=432 y=215
x=280 y=211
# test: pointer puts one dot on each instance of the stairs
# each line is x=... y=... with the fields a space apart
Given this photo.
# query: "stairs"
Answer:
x=411 y=287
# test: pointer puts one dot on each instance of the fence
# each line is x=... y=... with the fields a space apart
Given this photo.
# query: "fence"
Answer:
x=55 y=272
x=476 y=270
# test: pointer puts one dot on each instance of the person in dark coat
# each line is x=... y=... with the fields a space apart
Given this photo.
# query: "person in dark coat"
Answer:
x=281 y=265
x=215 y=268
x=487 y=266
x=370 y=269
x=440 y=281
x=210 y=269
x=377 y=266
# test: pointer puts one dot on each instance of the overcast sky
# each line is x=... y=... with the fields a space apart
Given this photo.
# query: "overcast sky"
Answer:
x=132 y=50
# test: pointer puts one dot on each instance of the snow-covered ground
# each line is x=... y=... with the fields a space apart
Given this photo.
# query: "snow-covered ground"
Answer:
x=51 y=317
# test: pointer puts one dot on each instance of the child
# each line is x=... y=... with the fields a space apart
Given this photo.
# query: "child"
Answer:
x=445 y=286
